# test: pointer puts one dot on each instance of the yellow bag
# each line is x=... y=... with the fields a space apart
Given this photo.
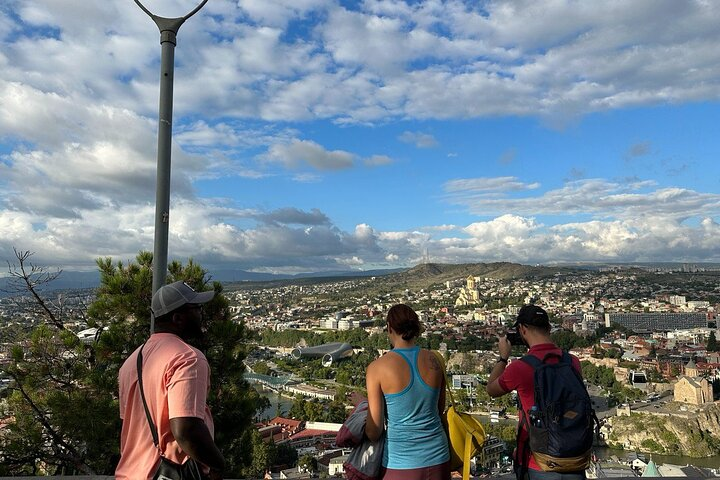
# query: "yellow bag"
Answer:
x=465 y=433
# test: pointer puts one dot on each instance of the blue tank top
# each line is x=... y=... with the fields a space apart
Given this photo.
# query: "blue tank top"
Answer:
x=415 y=435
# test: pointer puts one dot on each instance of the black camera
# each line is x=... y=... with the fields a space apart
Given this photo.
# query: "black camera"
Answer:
x=514 y=337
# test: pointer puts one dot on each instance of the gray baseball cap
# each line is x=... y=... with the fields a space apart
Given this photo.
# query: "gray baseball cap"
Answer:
x=170 y=297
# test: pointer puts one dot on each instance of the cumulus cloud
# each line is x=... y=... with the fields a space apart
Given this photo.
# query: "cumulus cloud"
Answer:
x=306 y=152
x=392 y=258
x=526 y=240
x=420 y=140
x=279 y=12
x=426 y=60
x=78 y=124
x=283 y=239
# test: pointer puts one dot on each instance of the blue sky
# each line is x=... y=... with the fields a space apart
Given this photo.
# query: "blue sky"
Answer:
x=318 y=135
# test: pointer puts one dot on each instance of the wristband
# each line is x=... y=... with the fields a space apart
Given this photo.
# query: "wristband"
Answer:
x=502 y=360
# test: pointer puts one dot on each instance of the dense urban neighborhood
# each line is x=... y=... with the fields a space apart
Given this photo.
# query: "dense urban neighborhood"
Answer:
x=646 y=337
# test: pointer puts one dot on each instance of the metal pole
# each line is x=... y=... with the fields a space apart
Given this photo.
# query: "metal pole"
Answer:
x=162 y=192
x=168 y=39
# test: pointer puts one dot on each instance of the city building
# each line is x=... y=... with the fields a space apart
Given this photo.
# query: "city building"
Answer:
x=693 y=389
x=657 y=321
x=469 y=294
x=329 y=352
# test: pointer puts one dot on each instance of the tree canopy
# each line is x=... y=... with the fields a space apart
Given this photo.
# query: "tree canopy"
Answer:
x=63 y=397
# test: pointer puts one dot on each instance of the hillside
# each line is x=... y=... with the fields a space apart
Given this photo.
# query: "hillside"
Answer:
x=692 y=434
x=422 y=276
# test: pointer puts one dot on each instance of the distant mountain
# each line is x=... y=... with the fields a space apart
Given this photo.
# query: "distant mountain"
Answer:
x=70 y=280
x=67 y=280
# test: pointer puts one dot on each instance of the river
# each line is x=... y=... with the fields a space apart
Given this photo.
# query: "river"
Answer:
x=274 y=409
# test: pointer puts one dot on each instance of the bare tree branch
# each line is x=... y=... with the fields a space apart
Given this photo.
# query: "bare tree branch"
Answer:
x=27 y=277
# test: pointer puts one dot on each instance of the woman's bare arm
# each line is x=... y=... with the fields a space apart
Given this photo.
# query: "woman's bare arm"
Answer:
x=376 y=406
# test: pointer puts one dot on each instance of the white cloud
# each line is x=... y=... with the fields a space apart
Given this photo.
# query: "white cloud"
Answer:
x=378 y=160
x=420 y=140
x=428 y=60
x=279 y=12
x=284 y=239
x=598 y=197
x=487 y=184
x=524 y=240
x=78 y=120
x=351 y=262
x=440 y=228
x=306 y=152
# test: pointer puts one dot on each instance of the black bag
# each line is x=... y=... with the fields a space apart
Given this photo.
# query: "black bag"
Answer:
x=562 y=424
x=167 y=469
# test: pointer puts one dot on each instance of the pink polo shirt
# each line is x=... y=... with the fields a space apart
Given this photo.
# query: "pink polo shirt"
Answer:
x=176 y=379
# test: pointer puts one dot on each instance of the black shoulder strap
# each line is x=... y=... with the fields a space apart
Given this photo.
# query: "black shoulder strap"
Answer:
x=153 y=428
x=568 y=359
x=531 y=360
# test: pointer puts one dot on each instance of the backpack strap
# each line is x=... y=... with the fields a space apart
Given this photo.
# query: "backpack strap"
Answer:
x=568 y=359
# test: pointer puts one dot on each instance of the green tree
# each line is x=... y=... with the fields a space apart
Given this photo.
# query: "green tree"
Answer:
x=307 y=463
x=64 y=393
x=63 y=422
x=712 y=343
x=263 y=455
x=261 y=368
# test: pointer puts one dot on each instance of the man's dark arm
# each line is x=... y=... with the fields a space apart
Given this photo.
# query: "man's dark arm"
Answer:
x=194 y=438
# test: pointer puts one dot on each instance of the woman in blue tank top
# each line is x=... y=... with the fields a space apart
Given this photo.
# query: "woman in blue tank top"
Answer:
x=406 y=387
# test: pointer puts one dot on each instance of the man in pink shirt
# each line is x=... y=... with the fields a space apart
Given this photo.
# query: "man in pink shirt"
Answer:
x=175 y=381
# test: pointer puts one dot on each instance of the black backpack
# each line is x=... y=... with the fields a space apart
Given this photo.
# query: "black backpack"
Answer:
x=562 y=425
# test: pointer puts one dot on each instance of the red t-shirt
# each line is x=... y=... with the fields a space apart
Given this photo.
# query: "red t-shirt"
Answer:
x=520 y=376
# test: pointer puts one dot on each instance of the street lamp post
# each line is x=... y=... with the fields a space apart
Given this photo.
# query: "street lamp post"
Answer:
x=168 y=38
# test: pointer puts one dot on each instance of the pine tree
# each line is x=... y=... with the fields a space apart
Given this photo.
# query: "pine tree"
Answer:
x=64 y=394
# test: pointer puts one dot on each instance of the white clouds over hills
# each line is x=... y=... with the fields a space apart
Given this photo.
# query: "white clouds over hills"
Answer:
x=278 y=93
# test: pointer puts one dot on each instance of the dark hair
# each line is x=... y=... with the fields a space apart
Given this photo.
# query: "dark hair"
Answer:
x=403 y=320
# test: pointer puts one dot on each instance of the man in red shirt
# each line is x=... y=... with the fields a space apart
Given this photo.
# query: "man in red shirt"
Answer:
x=176 y=379
x=533 y=326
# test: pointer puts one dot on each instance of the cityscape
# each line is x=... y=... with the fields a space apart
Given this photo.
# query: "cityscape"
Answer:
x=647 y=339
x=315 y=163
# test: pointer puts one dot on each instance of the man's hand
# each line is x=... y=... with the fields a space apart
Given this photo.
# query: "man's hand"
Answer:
x=493 y=387
x=504 y=346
